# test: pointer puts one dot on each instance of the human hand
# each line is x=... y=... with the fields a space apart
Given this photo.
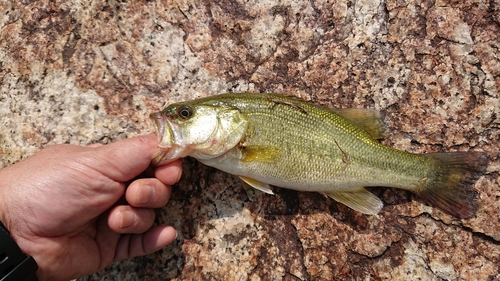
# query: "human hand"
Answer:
x=63 y=207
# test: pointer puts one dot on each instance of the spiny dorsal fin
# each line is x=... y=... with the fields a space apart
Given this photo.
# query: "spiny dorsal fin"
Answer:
x=369 y=120
x=360 y=200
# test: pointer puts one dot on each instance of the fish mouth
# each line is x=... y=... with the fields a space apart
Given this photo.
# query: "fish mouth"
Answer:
x=159 y=125
x=164 y=136
x=162 y=129
x=170 y=140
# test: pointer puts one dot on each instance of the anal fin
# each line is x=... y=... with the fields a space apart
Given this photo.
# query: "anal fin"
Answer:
x=264 y=187
x=360 y=200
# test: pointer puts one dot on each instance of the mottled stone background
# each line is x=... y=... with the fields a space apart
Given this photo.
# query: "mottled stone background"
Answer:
x=85 y=71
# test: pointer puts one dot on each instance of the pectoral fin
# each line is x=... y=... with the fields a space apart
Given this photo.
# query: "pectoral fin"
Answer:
x=264 y=187
x=368 y=119
x=260 y=153
x=360 y=200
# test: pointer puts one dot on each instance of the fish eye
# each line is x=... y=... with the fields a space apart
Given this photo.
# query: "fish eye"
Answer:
x=185 y=112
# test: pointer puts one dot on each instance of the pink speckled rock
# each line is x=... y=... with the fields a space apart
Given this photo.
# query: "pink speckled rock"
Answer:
x=91 y=71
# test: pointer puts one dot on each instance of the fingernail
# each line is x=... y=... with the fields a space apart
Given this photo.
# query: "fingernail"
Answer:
x=128 y=219
x=146 y=194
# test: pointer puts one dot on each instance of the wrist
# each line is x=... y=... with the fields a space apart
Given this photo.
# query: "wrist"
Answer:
x=14 y=264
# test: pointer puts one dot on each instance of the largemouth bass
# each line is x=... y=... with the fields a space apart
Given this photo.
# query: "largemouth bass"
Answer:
x=271 y=139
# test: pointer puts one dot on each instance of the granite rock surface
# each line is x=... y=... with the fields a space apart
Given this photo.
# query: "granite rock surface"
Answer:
x=86 y=72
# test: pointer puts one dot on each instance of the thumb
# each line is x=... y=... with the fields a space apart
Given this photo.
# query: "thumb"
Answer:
x=126 y=159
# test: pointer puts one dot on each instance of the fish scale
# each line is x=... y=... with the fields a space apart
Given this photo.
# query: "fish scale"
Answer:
x=271 y=139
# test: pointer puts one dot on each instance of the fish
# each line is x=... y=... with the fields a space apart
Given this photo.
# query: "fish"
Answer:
x=269 y=139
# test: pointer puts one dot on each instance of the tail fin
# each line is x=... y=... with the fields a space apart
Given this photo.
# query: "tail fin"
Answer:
x=451 y=189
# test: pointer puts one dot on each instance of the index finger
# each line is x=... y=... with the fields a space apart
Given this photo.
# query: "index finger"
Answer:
x=170 y=173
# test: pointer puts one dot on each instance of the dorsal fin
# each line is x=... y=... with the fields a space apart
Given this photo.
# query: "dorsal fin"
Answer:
x=369 y=120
